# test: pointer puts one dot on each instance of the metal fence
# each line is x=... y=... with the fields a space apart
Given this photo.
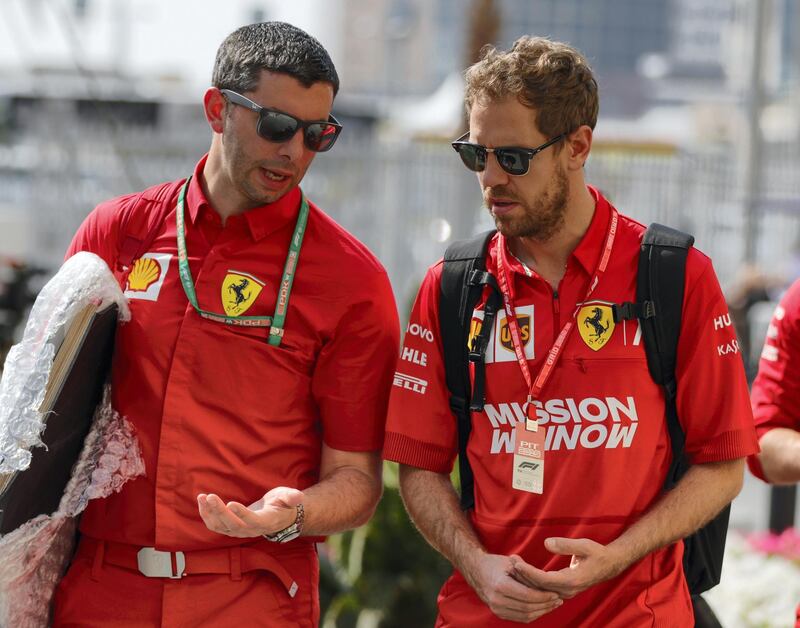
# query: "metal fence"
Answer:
x=407 y=200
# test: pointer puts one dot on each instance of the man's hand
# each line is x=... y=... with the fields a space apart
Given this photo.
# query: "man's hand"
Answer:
x=272 y=513
x=492 y=576
x=591 y=563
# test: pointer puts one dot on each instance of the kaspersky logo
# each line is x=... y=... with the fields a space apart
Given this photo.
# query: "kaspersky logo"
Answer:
x=239 y=292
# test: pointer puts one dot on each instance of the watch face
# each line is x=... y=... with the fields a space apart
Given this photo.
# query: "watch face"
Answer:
x=290 y=536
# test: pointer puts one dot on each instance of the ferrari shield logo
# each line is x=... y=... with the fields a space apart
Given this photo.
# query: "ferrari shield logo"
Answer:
x=239 y=291
x=596 y=324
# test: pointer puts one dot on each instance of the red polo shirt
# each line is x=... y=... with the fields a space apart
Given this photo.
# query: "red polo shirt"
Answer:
x=607 y=447
x=216 y=409
x=776 y=389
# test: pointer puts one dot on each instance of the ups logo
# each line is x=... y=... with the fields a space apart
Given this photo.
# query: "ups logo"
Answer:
x=501 y=347
x=506 y=340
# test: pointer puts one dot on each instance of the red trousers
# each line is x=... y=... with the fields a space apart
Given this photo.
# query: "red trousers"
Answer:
x=96 y=593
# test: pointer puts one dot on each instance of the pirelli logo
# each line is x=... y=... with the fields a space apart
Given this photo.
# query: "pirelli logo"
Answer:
x=414 y=384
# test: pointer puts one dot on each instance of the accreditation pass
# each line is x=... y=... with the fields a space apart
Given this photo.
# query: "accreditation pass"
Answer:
x=528 y=459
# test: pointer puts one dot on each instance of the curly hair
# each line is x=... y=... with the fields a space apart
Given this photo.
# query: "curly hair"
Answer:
x=548 y=76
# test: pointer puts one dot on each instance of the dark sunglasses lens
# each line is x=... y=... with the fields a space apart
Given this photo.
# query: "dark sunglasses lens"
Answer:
x=474 y=157
x=513 y=161
x=321 y=136
x=276 y=127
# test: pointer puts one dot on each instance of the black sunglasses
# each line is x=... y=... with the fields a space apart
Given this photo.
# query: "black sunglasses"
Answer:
x=279 y=126
x=515 y=160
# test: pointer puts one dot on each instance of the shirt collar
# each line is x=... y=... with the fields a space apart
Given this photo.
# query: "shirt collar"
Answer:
x=261 y=221
x=589 y=249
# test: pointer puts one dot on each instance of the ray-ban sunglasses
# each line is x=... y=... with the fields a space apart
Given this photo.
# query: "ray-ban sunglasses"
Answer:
x=278 y=126
x=515 y=160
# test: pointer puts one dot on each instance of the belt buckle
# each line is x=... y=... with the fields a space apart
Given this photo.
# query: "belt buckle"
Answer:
x=154 y=563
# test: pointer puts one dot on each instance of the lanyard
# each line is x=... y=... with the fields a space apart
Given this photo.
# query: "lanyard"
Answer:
x=535 y=387
x=274 y=322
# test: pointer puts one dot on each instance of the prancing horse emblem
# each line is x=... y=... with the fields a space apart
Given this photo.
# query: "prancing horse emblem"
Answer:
x=597 y=324
x=239 y=292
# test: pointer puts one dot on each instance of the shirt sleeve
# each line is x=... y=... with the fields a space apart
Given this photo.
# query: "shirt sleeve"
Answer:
x=99 y=233
x=713 y=401
x=354 y=370
x=776 y=390
x=421 y=430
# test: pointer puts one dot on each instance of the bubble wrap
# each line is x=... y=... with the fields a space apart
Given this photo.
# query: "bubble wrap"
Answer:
x=83 y=279
x=34 y=556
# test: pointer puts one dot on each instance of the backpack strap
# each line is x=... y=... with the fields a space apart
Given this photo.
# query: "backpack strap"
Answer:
x=659 y=306
x=660 y=280
x=463 y=280
x=139 y=222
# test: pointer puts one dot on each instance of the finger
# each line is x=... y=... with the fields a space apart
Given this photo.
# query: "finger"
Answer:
x=530 y=575
x=522 y=593
x=227 y=521
x=563 y=546
x=246 y=515
x=526 y=615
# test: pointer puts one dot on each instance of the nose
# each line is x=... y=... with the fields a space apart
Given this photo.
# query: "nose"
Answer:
x=492 y=175
x=293 y=148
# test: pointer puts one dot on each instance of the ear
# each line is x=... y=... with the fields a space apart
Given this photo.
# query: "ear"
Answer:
x=214 y=105
x=578 y=145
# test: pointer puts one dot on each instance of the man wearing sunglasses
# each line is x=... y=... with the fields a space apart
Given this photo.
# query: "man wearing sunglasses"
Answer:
x=255 y=369
x=570 y=526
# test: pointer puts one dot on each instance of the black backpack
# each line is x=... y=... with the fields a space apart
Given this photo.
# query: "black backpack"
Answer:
x=659 y=301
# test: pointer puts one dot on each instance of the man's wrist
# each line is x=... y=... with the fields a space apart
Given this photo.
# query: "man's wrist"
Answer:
x=291 y=531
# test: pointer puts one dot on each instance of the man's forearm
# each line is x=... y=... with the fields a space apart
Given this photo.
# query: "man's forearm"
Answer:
x=343 y=500
x=780 y=455
x=433 y=506
x=696 y=499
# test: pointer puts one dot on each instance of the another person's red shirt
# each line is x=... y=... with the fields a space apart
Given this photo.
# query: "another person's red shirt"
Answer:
x=607 y=447
x=776 y=389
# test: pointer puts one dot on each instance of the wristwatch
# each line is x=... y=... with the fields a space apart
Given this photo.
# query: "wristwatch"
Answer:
x=292 y=531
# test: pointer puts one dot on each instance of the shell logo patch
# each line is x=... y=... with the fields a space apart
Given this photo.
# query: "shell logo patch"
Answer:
x=595 y=324
x=147 y=276
x=239 y=292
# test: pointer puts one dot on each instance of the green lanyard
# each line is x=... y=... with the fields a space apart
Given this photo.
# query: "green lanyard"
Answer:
x=274 y=322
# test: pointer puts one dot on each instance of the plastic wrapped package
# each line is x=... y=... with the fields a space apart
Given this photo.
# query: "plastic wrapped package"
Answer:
x=33 y=557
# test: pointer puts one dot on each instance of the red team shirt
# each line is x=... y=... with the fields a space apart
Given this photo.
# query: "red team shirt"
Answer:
x=607 y=447
x=217 y=409
x=776 y=389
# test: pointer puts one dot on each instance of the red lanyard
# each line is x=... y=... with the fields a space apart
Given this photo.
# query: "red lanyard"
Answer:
x=535 y=387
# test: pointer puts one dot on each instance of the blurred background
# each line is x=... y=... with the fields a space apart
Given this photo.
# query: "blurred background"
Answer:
x=699 y=129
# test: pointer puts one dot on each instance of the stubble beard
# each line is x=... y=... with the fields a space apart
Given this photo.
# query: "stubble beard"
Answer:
x=243 y=173
x=541 y=218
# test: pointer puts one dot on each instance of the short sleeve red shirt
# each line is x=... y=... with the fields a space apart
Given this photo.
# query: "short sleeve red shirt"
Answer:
x=217 y=409
x=776 y=389
x=607 y=447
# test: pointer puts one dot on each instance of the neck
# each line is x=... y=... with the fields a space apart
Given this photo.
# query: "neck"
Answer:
x=549 y=257
x=221 y=195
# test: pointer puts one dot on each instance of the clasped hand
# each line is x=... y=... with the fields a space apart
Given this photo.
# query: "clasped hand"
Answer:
x=517 y=591
x=275 y=511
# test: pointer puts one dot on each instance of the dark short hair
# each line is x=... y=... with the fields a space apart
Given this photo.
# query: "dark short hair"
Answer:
x=549 y=76
x=273 y=46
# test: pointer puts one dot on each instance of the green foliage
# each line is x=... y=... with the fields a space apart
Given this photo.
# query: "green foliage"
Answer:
x=383 y=575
